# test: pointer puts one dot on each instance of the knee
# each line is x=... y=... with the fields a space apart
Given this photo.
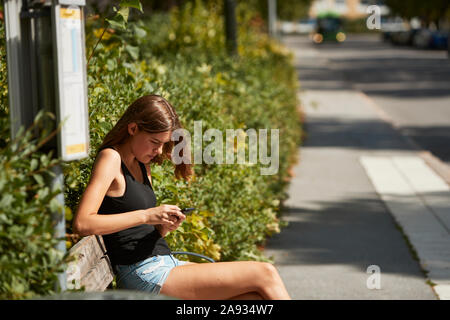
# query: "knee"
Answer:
x=269 y=281
x=270 y=273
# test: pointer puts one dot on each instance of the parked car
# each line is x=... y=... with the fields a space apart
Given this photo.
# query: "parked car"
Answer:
x=404 y=38
x=287 y=27
x=391 y=25
x=422 y=39
x=305 y=26
x=439 y=40
x=430 y=39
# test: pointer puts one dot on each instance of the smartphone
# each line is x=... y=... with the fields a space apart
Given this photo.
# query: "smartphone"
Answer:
x=187 y=210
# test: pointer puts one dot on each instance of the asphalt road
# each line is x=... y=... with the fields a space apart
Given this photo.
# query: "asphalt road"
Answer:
x=411 y=86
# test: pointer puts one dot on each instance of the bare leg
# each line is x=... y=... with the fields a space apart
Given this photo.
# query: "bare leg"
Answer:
x=224 y=280
x=245 y=296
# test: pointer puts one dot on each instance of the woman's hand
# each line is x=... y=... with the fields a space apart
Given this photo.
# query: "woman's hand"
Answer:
x=167 y=215
x=174 y=220
x=164 y=229
x=175 y=225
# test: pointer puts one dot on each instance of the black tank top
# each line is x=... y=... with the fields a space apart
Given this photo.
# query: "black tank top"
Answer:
x=137 y=243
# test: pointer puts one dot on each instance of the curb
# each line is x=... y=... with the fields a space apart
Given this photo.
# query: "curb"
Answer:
x=438 y=166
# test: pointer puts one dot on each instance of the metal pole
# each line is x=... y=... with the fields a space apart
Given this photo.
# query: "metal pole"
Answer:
x=272 y=17
x=59 y=231
x=230 y=26
x=19 y=40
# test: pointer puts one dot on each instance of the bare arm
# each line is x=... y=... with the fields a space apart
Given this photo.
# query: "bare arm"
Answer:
x=87 y=220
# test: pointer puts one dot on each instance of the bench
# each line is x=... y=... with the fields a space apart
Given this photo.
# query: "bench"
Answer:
x=91 y=269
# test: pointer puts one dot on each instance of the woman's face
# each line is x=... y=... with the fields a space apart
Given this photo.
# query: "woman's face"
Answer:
x=145 y=146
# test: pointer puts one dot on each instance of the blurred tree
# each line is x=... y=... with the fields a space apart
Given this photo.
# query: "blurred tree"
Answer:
x=289 y=10
x=230 y=26
x=286 y=9
x=427 y=11
x=293 y=9
x=149 y=6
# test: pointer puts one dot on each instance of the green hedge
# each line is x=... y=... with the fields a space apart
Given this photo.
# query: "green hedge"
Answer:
x=29 y=262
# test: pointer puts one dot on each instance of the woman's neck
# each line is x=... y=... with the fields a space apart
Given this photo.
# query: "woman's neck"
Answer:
x=126 y=155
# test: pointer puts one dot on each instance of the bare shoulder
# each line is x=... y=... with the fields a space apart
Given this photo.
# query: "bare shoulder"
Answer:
x=108 y=161
x=109 y=154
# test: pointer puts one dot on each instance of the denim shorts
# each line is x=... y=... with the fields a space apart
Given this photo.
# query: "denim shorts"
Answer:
x=147 y=275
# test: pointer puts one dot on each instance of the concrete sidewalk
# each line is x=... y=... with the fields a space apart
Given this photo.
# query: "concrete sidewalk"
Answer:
x=361 y=199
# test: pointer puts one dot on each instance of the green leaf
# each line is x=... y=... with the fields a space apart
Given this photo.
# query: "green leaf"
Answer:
x=117 y=24
x=105 y=126
x=110 y=65
x=139 y=32
x=172 y=189
x=98 y=90
x=156 y=173
x=38 y=179
x=68 y=213
x=55 y=206
x=34 y=164
x=133 y=51
x=132 y=4
x=44 y=160
x=124 y=12
x=6 y=201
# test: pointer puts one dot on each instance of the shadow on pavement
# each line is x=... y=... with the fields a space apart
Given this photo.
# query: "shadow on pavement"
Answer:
x=356 y=134
x=342 y=222
x=436 y=139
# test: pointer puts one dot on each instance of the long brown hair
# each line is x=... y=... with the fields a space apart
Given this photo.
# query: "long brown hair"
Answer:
x=153 y=114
